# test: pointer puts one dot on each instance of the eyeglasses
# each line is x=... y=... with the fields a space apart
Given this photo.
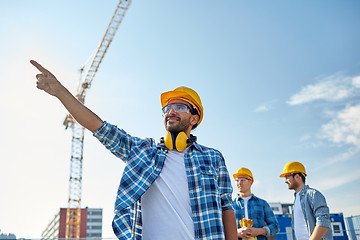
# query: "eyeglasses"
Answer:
x=177 y=107
x=290 y=175
x=242 y=179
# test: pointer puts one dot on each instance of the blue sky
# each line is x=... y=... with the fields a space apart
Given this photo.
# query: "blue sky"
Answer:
x=279 y=81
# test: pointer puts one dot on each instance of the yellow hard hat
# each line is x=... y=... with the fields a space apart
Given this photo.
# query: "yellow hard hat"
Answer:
x=292 y=167
x=243 y=172
x=186 y=94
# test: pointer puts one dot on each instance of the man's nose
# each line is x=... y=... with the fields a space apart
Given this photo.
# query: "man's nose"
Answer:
x=172 y=111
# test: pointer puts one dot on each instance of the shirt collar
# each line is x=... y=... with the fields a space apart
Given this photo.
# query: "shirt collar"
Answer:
x=251 y=196
x=302 y=191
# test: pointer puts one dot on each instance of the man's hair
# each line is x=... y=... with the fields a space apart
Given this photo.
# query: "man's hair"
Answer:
x=301 y=175
x=194 y=111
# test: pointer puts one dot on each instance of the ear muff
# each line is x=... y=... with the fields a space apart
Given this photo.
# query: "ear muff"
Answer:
x=181 y=142
x=177 y=141
x=168 y=141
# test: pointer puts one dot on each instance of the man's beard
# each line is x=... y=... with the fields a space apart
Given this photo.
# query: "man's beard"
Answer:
x=292 y=185
x=181 y=126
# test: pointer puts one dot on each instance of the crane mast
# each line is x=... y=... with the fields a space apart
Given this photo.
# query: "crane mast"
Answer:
x=73 y=216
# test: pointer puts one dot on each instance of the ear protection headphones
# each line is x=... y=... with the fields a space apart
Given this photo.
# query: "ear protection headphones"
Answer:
x=177 y=140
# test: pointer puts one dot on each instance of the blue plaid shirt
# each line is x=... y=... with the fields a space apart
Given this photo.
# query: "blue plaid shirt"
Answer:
x=260 y=212
x=316 y=211
x=208 y=180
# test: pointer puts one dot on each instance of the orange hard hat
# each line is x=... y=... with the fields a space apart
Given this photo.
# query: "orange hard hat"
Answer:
x=292 y=167
x=243 y=172
x=186 y=94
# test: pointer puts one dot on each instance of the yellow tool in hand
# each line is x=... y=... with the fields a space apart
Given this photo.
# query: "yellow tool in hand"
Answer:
x=247 y=223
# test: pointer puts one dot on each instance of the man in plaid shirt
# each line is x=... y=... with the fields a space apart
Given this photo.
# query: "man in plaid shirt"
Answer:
x=248 y=206
x=176 y=189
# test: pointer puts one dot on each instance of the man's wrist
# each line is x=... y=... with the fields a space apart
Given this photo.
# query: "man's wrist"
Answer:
x=261 y=231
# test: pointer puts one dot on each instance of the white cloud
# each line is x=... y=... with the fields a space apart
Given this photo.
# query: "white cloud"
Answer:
x=262 y=108
x=305 y=138
x=344 y=127
x=337 y=181
x=342 y=157
x=356 y=81
x=265 y=107
x=344 y=124
x=332 y=88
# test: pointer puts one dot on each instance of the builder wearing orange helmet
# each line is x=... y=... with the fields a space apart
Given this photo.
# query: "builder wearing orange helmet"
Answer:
x=175 y=189
x=311 y=217
x=248 y=206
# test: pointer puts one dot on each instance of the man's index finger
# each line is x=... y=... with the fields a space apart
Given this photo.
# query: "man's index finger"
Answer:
x=39 y=67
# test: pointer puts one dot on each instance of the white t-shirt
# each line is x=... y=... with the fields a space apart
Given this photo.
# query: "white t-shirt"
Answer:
x=300 y=228
x=246 y=199
x=165 y=206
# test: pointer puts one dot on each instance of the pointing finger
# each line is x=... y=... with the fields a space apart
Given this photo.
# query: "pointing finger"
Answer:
x=39 y=67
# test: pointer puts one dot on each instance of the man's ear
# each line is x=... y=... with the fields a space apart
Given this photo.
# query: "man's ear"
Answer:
x=194 y=119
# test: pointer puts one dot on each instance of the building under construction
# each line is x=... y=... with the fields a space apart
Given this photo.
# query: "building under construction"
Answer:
x=90 y=227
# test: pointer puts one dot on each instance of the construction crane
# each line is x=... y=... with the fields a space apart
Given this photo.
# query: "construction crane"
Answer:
x=73 y=215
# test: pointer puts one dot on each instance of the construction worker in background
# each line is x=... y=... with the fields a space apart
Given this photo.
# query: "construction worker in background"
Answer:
x=311 y=217
x=177 y=189
x=250 y=207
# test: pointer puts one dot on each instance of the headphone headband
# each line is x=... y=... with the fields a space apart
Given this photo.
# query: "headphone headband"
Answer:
x=177 y=140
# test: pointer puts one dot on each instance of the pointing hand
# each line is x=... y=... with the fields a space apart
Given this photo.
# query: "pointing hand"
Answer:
x=46 y=80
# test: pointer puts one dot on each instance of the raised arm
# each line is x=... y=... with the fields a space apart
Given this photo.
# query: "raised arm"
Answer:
x=47 y=81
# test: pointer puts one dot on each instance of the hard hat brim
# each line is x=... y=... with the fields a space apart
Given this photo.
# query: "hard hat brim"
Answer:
x=236 y=175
